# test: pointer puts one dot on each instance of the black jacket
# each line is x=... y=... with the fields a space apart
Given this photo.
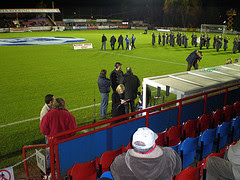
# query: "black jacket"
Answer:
x=120 y=40
x=103 y=84
x=193 y=57
x=112 y=40
x=116 y=78
x=104 y=38
x=131 y=83
x=117 y=109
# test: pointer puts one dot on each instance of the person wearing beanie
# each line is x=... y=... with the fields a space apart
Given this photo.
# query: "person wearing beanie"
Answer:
x=146 y=160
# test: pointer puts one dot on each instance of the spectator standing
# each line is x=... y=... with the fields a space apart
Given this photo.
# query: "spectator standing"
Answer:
x=118 y=101
x=104 y=39
x=120 y=42
x=146 y=160
x=116 y=76
x=113 y=41
x=193 y=59
x=133 y=41
x=49 y=98
x=227 y=168
x=57 y=120
x=127 y=42
x=159 y=38
x=104 y=88
x=131 y=83
x=153 y=38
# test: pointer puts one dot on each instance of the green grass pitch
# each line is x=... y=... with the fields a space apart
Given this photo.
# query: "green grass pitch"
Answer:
x=28 y=73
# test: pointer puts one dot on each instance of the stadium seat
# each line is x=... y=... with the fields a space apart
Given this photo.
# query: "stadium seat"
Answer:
x=173 y=135
x=205 y=143
x=187 y=150
x=107 y=158
x=107 y=174
x=236 y=108
x=204 y=122
x=190 y=173
x=161 y=138
x=235 y=128
x=217 y=118
x=189 y=129
x=228 y=113
x=83 y=171
x=176 y=147
x=222 y=134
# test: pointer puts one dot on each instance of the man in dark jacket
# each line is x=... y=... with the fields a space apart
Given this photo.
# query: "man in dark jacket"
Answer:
x=104 y=88
x=146 y=160
x=120 y=41
x=112 y=41
x=131 y=83
x=116 y=76
x=193 y=59
x=104 y=39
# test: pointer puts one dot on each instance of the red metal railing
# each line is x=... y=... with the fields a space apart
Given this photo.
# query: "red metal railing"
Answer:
x=148 y=112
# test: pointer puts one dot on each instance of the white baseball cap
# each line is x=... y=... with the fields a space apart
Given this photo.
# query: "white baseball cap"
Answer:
x=144 y=138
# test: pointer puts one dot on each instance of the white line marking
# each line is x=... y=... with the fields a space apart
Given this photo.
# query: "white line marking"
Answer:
x=149 y=59
x=32 y=119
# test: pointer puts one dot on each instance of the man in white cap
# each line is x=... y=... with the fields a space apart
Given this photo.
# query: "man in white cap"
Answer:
x=146 y=160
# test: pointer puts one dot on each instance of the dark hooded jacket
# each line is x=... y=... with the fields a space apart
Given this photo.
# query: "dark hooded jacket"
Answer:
x=131 y=83
x=128 y=167
x=103 y=84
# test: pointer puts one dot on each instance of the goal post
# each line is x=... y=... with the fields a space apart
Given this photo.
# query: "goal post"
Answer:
x=213 y=28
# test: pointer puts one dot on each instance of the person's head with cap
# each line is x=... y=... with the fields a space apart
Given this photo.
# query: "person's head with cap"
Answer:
x=143 y=140
x=118 y=66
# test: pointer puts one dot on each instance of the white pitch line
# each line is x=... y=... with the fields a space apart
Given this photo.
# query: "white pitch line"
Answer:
x=149 y=59
x=32 y=119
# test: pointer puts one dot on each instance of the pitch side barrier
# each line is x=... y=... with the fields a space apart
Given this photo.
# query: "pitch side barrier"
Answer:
x=92 y=140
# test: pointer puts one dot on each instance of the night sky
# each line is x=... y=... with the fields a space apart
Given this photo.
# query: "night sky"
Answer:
x=103 y=3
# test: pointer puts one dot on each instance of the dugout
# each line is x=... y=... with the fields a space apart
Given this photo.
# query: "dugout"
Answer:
x=192 y=82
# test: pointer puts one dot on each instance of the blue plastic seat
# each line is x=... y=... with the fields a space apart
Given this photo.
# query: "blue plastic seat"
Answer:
x=176 y=147
x=222 y=134
x=107 y=174
x=235 y=128
x=205 y=143
x=187 y=151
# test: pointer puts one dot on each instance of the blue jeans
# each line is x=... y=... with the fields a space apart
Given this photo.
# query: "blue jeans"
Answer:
x=104 y=104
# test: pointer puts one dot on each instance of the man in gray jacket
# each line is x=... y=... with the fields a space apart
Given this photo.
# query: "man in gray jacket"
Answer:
x=146 y=160
x=227 y=168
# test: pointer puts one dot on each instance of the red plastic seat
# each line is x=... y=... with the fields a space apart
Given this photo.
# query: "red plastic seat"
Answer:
x=83 y=171
x=189 y=129
x=129 y=146
x=190 y=173
x=217 y=118
x=228 y=113
x=173 y=135
x=236 y=107
x=204 y=122
x=107 y=158
x=161 y=138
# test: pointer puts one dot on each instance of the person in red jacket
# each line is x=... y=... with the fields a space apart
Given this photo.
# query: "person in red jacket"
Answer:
x=57 y=120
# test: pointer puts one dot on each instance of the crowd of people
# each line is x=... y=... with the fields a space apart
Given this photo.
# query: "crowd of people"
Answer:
x=125 y=91
x=181 y=39
x=130 y=42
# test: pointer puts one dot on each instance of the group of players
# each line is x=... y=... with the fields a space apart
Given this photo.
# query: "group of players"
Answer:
x=204 y=41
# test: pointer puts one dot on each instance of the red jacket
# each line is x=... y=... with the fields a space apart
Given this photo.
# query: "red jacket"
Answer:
x=56 y=121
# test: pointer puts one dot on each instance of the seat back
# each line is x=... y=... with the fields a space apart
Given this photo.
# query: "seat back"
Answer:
x=107 y=158
x=161 y=138
x=83 y=171
x=223 y=131
x=205 y=143
x=235 y=128
x=228 y=113
x=189 y=129
x=236 y=108
x=204 y=122
x=173 y=135
x=187 y=151
x=190 y=173
x=217 y=118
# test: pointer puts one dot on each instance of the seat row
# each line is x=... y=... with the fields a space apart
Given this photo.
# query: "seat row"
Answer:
x=191 y=132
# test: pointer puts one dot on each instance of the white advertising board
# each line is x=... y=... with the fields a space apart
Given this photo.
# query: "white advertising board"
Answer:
x=82 y=46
